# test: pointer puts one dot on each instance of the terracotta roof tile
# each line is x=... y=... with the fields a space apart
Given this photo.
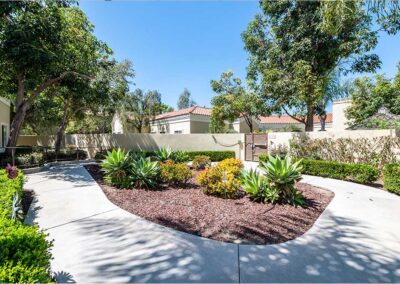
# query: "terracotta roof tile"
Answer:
x=285 y=119
x=191 y=110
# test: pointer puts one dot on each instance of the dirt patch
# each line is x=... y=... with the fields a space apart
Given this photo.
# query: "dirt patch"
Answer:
x=232 y=220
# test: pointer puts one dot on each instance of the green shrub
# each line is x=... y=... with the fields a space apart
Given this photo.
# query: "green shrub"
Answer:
x=144 y=173
x=29 y=160
x=231 y=165
x=180 y=156
x=263 y=158
x=25 y=253
x=282 y=174
x=116 y=166
x=215 y=156
x=8 y=188
x=391 y=178
x=175 y=174
x=201 y=162
x=360 y=173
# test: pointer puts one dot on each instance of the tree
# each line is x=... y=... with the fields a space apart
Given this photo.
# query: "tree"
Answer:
x=370 y=94
x=185 y=100
x=385 y=12
x=233 y=101
x=42 y=43
x=291 y=55
x=141 y=108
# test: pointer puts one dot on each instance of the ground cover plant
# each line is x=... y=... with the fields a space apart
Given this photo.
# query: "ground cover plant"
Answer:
x=25 y=252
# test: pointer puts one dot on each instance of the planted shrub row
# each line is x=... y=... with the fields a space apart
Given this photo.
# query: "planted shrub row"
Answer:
x=391 y=178
x=25 y=252
x=360 y=173
x=215 y=156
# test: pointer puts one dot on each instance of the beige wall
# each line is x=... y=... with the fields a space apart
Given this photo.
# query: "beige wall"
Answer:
x=338 y=112
x=4 y=119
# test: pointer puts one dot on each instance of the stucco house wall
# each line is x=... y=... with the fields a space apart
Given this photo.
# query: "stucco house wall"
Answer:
x=4 y=121
x=339 y=114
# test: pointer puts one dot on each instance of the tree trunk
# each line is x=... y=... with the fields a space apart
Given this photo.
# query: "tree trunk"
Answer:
x=322 y=120
x=15 y=127
x=61 y=129
x=310 y=119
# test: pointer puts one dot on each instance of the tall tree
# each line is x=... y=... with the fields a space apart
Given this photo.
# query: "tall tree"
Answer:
x=43 y=43
x=370 y=94
x=233 y=101
x=185 y=100
x=141 y=108
x=291 y=55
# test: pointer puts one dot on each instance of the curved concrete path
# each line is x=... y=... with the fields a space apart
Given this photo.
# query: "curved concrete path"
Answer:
x=356 y=239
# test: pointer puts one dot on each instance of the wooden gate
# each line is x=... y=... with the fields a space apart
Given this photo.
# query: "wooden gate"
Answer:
x=256 y=144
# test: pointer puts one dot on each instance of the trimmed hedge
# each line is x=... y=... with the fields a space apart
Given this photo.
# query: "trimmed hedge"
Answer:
x=360 y=173
x=391 y=178
x=24 y=251
x=215 y=156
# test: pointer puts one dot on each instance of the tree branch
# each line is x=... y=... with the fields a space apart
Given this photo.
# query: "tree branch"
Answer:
x=295 y=118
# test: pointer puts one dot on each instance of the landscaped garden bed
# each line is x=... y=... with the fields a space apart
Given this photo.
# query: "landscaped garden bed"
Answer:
x=187 y=208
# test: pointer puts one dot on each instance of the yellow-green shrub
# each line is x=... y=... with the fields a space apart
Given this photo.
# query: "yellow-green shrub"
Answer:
x=201 y=162
x=231 y=165
x=175 y=174
x=215 y=181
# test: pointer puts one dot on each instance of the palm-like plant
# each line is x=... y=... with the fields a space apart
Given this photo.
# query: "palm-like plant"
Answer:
x=180 y=157
x=116 y=166
x=282 y=175
x=145 y=173
x=163 y=154
x=257 y=187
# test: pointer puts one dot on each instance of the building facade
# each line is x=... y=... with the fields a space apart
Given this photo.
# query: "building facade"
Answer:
x=4 y=121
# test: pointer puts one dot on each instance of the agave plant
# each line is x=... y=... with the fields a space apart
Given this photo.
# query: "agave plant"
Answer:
x=116 y=166
x=17 y=213
x=282 y=175
x=163 y=154
x=257 y=187
x=180 y=157
x=145 y=173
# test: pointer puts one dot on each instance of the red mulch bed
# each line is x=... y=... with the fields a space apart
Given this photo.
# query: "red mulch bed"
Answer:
x=232 y=220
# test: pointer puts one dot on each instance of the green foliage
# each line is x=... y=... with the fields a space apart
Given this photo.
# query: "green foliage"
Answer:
x=258 y=187
x=201 y=162
x=163 y=154
x=231 y=165
x=180 y=157
x=215 y=156
x=369 y=95
x=117 y=165
x=360 y=173
x=282 y=174
x=233 y=101
x=185 y=100
x=376 y=151
x=144 y=173
x=25 y=252
x=175 y=173
x=263 y=158
x=292 y=55
x=391 y=178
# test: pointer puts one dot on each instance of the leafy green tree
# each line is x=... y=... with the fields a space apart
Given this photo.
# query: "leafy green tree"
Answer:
x=385 y=12
x=233 y=101
x=370 y=94
x=43 y=43
x=185 y=100
x=291 y=56
x=141 y=108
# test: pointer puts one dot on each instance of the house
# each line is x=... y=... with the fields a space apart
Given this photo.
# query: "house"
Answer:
x=4 y=121
x=287 y=123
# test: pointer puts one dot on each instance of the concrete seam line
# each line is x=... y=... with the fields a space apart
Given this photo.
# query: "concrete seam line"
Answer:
x=77 y=220
x=238 y=256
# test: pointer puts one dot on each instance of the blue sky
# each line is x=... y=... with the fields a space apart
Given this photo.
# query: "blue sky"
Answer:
x=181 y=44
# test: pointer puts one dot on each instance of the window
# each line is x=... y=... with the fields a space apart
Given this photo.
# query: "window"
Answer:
x=178 y=132
x=4 y=135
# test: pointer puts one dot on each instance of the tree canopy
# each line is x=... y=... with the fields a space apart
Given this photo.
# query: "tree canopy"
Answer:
x=185 y=100
x=233 y=101
x=291 y=55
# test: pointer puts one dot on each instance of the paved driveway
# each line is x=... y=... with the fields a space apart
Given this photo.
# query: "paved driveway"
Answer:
x=356 y=239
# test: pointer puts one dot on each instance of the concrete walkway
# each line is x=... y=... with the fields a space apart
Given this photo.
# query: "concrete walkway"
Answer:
x=356 y=239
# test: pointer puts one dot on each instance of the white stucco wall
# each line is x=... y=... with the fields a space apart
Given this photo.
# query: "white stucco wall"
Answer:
x=339 y=118
x=117 y=125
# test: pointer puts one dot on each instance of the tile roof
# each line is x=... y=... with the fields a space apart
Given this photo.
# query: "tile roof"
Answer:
x=285 y=119
x=190 y=110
